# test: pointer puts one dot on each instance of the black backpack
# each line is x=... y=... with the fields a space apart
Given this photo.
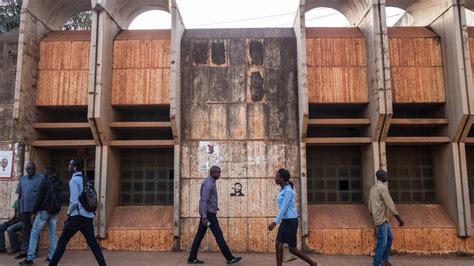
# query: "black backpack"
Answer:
x=88 y=197
x=53 y=198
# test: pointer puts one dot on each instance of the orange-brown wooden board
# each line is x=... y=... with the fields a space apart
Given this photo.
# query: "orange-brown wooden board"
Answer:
x=418 y=85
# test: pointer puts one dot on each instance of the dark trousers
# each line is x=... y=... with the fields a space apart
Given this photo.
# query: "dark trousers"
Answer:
x=216 y=231
x=71 y=226
x=27 y=225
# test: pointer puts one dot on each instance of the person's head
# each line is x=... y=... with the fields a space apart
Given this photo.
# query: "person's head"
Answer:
x=237 y=187
x=76 y=165
x=381 y=175
x=49 y=171
x=4 y=162
x=283 y=177
x=31 y=169
x=215 y=172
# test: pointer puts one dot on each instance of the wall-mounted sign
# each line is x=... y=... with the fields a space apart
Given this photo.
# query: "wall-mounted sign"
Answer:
x=6 y=164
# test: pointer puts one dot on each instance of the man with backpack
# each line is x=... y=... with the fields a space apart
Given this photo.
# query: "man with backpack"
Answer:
x=82 y=204
x=46 y=208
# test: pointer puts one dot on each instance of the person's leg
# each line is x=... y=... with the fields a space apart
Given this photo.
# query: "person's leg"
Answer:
x=219 y=236
x=52 y=234
x=12 y=235
x=388 y=247
x=88 y=233
x=302 y=255
x=201 y=232
x=381 y=243
x=279 y=252
x=40 y=221
x=3 y=228
x=71 y=226
x=26 y=221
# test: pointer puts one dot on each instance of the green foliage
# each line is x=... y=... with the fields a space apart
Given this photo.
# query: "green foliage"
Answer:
x=80 y=21
x=9 y=14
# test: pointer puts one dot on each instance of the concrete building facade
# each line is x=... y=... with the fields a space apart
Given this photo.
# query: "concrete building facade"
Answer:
x=151 y=111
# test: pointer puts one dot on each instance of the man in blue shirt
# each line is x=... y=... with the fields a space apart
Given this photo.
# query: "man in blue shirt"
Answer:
x=208 y=207
x=27 y=190
x=79 y=219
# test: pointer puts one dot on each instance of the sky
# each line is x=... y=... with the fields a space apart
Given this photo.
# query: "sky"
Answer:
x=246 y=14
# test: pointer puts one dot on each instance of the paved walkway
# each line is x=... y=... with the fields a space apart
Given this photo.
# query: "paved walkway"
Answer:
x=115 y=258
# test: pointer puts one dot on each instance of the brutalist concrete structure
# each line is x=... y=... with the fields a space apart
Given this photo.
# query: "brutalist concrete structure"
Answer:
x=151 y=111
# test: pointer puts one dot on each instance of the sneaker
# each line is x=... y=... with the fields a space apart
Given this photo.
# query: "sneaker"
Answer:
x=234 y=260
x=26 y=262
x=20 y=256
x=195 y=261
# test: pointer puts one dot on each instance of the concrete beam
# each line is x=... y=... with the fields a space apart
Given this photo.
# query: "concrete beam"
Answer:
x=125 y=11
x=300 y=34
x=177 y=31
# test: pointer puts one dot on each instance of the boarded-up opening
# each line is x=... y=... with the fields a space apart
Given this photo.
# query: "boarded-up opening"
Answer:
x=411 y=174
x=63 y=69
x=60 y=158
x=337 y=70
x=141 y=67
x=416 y=65
x=146 y=177
x=470 y=170
x=334 y=174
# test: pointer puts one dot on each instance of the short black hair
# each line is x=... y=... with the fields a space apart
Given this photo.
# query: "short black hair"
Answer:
x=50 y=168
x=214 y=169
x=380 y=174
x=78 y=163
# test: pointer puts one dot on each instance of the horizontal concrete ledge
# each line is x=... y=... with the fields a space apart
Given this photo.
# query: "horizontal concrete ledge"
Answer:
x=239 y=33
x=141 y=143
x=349 y=140
x=63 y=143
x=61 y=125
x=417 y=140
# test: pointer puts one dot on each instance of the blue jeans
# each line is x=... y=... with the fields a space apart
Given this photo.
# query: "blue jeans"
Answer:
x=12 y=236
x=384 y=243
x=40 y=220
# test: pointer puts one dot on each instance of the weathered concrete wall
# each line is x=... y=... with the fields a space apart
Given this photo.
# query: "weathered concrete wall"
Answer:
x=8 y=56
x=239 y=103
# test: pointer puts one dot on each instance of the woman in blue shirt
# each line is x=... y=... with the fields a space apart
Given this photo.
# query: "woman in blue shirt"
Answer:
x=288 y=216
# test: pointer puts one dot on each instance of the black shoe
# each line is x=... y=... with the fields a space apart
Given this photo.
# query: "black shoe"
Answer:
x=3 y=250
x=20 y=256
x=26 y=262
x=196 y=261
x=234 y=260
x=47 y=260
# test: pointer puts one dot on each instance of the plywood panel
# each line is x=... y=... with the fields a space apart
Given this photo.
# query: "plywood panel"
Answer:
x=156 y=240
x=122 y=240
x=337 y=85
x=352 y=244
x=416 y=66
x=418 y=84
x=238 y=234
x=257 y=234
x=63 y=72
x=141 y=70
x=332 y=241
x=337 y=70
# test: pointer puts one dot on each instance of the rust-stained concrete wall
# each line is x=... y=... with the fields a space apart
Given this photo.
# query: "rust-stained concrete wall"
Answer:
x=239 y=106
x=8 y=56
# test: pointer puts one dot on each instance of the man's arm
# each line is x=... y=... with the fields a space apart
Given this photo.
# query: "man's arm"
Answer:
x=42 y=192
x=387 y=199
x=206 y=192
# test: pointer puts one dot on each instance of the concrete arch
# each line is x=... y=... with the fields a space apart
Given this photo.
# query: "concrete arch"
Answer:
x=353 y=10
x=125 y=11
x=326 y=9
x=55 y=13
x=423 y=12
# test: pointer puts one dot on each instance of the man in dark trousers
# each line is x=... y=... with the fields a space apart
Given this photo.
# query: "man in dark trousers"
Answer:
x=28 y=194
x=12 y=226
x=208 y=207
x=79 y=219
x=381 y=207
x=46 y=210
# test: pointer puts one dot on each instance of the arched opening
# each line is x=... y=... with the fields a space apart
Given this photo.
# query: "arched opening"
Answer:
x=396 y=17
x=153 y=19
x=325 y=17
x=469 y=17
x=80 y=21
